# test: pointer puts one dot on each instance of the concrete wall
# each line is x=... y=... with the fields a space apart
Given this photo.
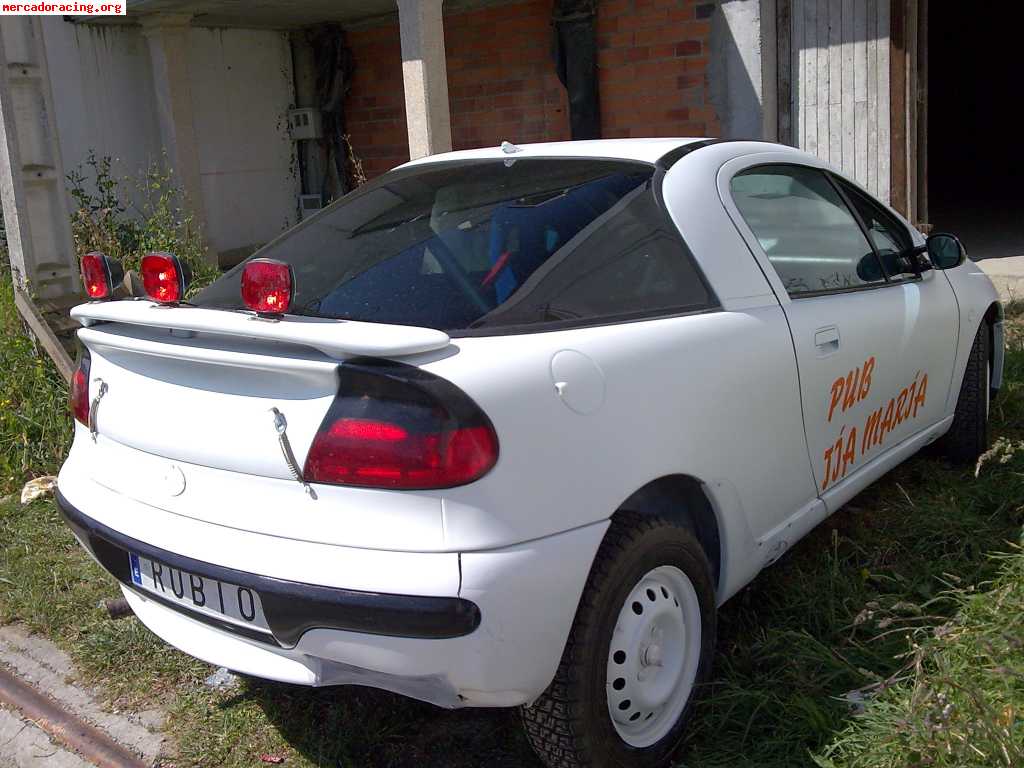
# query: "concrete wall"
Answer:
x=241 y=86
x=102 y=94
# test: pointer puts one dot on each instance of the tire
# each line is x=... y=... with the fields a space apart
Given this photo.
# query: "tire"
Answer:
x=967 y=438
x=649 y=565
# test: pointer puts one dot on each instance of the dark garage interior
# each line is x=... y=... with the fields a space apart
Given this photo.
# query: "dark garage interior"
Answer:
x=975 y=171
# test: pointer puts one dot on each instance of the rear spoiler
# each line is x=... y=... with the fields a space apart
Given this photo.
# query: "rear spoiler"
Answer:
x=335 y=338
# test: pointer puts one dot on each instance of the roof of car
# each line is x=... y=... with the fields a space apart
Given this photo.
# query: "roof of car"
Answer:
x=644 y=150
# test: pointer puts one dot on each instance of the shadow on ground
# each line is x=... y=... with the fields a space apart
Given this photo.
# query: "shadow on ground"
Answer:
x=357 y=726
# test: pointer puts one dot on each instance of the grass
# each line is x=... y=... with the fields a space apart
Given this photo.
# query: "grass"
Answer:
x=959 y=702
x=34 y=425
x=908 y=605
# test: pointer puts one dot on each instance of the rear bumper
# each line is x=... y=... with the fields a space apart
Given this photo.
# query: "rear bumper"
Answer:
x=476 y=628
x=292 y=608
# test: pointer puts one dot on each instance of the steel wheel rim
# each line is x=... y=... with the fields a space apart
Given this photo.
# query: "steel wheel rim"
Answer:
x=653 y=656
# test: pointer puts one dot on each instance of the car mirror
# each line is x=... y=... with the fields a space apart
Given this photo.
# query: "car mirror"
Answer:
x=945 y=250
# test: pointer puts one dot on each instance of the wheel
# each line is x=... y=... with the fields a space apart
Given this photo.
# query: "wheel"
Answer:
x=967 y=438
x=639 y=650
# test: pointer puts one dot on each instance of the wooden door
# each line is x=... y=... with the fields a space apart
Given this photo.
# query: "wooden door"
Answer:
x=834 y=85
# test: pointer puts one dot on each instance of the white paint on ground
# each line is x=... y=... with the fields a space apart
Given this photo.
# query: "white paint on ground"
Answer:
x=41 y=664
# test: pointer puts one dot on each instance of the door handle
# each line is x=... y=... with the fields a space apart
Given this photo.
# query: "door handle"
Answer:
x=826 y=340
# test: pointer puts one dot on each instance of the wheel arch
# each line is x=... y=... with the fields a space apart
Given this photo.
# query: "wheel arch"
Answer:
x=683 y=500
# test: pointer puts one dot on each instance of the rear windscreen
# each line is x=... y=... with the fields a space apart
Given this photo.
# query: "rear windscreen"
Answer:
x=489 y=244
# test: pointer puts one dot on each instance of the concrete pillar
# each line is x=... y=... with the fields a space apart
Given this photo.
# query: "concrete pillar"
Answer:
x=35 y=203
x=424 y=69
x=167 y=36
x=735 y=68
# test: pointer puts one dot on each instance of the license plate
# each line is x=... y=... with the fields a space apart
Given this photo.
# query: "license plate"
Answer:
x=220 y=599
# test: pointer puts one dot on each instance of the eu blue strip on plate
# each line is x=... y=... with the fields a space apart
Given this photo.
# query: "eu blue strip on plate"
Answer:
x=136 y=570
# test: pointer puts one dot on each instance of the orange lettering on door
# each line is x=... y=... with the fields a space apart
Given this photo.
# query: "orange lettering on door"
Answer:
x=850 y=389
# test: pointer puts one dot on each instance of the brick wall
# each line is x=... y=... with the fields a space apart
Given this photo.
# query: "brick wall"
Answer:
x=375 y=108
x=652 y=63
x=501 y=80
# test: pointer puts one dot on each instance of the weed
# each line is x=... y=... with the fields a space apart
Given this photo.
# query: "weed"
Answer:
x=35 y=428
x=128 y=218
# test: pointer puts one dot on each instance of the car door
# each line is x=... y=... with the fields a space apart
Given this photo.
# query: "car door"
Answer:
x=874 y=340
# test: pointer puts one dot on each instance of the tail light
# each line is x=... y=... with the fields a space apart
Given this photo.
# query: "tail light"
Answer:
x=267 y=286
x=100 y=275
x=164 y=277
x=80 y=389
x=397 y=426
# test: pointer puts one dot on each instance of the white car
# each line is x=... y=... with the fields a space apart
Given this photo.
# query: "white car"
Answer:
x=505 y=426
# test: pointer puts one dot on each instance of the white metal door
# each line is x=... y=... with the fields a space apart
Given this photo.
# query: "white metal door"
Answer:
x=874 y=354
x=874 y=369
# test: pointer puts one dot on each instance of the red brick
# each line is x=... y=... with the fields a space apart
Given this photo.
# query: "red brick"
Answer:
x=688 y=48
x=638 y=53
x=609 y=8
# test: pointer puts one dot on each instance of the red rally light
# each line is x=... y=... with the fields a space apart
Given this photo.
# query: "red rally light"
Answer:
x=100 y=275
x=267 y=286
x=164 y=277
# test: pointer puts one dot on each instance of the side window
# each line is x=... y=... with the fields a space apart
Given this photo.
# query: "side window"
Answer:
x=809 y=235
x=890 y=238
x=629 y=260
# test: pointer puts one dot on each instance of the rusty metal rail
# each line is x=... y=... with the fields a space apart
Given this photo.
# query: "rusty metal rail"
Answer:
x=89 y=742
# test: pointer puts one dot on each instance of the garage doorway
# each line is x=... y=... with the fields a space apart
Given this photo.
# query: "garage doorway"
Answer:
x=975 y=173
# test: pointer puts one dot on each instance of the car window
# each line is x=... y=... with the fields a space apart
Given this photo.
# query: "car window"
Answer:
x=890 y=238
x=489 y=244
x=805 y=228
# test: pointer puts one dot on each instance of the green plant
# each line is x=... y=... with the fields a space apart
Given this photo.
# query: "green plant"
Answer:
x=35 y=426
x=129 y=217
x=959 y=701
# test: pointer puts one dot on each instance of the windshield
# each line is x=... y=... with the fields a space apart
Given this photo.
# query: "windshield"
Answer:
x=488 y=244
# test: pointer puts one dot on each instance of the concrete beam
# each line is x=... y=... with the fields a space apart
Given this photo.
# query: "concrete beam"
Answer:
x=425 y=71
x=35 y=204
x=167 y=36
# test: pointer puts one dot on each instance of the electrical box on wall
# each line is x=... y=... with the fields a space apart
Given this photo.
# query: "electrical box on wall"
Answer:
x=305 y=123
x=309 y=204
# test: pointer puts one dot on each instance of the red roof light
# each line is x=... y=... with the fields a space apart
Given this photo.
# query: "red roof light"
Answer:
x=267 y=286
x=164 y=277
x=100 y=275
